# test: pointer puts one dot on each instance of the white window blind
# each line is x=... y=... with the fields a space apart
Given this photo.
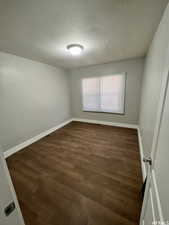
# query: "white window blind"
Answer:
x=104 y=94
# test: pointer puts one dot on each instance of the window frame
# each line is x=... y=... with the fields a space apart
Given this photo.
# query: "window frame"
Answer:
x=124 y=101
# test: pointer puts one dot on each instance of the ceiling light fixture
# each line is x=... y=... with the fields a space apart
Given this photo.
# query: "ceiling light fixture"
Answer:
x=75 y=49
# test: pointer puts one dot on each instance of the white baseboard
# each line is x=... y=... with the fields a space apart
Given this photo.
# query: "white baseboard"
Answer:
x=126 y=125
x=141 y=155
x=24 y=144
x=17 y=148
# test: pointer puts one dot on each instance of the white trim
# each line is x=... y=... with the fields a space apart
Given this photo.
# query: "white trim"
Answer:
x=141 y=154
x=17 y=148
x=157 y=197
x=126 y=125
x=152 y=205
x=153 y=193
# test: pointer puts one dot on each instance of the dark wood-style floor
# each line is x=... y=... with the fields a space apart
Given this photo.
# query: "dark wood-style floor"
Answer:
x=82 y=174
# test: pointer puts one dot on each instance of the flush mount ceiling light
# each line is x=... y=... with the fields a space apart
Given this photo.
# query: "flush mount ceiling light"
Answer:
x=75 y=49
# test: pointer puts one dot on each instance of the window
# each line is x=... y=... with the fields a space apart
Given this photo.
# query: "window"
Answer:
x=104 y=94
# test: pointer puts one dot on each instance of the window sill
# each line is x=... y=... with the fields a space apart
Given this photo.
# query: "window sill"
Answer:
x=122 y=114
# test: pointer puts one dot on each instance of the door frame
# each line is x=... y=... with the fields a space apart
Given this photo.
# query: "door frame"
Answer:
x=150 y=174
x=11 y=187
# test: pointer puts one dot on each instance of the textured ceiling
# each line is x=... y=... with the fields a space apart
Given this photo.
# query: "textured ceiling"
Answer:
x=110 y=30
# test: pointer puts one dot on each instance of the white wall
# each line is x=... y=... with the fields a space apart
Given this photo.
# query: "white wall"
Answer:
x=33 y=98
x=151 y=84
x=134 y=69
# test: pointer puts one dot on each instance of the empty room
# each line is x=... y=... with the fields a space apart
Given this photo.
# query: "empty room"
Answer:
x=84 y=112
